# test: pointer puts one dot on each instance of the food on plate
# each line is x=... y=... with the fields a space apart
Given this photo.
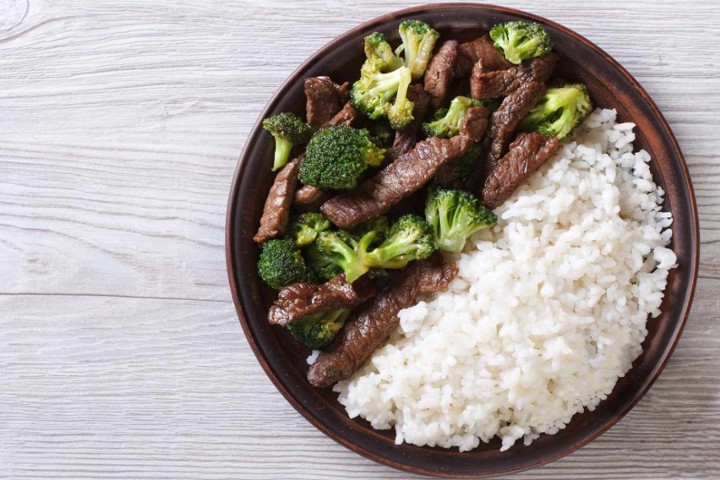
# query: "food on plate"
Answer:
x=454 y=215
x=547 y=312
x=371 y=325
x=324 y=99
x=559 y=111
x=336 y=157
x=288 y=130
x=281 y=263
x=520 y=41
x=404 y=176
x=276 y=212
x=469 y=246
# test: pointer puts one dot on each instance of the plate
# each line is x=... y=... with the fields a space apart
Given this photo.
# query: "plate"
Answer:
x=284 y=360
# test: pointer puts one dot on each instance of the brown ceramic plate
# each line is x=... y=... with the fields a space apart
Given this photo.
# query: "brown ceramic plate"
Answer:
x=284 y=362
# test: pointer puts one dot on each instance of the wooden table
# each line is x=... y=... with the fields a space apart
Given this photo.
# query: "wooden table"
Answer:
x=120 y=125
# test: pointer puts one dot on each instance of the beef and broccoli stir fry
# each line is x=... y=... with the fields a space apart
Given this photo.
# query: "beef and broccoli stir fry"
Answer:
x=408 y=160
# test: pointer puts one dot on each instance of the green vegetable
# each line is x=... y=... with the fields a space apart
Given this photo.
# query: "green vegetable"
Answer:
x=464 y=165
x=559 y=111
x=381 y=133
x=334 y=252
x=418 y=41
x=521 y=40
x=448 y=120
x=317 y=330
x=377 y=47
x=373 y=93
x=378 y=227
x=281 y=264
x=304 y=228
x=410 y=238
x=288 y=130
x=337 y=156
x=455 y=215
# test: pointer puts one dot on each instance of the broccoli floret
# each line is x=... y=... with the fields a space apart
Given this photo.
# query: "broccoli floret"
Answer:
x=418 y=41
x=521 y=40
x=281 y=264
x=336 y=156
x=288 y=130
x=455 y=215
x=410 y=238
x=378 y=226
x=335 y=252
x=372 y=94
x=448 y=121
x=464 y=165
x=559 y=111
x=377 y=46
x=304 y=228
x=381 y=133
x=317 y=330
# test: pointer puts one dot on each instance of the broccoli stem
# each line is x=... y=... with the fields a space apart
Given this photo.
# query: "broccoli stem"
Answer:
x=282 y=152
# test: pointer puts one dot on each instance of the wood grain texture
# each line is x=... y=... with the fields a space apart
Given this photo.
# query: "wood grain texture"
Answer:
x=120 y=125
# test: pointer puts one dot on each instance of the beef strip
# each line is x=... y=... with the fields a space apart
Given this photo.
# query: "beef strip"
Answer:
x=406 y=138
x=324 y=100
x=485 y=83
x=405 y=175
x=506 y=119
x=276 y=211
x=348 y=115
x=372 y=324
x=300 y=299
x=480 y=49
x=527 y=152
x=309 y=198
x=440 y=72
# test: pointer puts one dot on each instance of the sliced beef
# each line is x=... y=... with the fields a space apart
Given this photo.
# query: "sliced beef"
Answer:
x=308 y=198
x=370 y=326
x=276 y=211
x=300 y=299
x=480 y=49
x=440 y=72
x=348 y=116
x=406 y=138
x=506 y=119
x=487 y=83
x=324 y=99
x=527 y=152
x=405 y=175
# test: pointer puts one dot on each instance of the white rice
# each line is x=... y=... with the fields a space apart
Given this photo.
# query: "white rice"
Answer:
x=547 y=312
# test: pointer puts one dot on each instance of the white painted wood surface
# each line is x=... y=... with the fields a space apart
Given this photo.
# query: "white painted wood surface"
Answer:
x=120 y=125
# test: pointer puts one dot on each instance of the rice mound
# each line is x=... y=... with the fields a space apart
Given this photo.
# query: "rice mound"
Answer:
x=547 y=312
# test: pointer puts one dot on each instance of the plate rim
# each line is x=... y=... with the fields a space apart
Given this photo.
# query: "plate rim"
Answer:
x=243 y=161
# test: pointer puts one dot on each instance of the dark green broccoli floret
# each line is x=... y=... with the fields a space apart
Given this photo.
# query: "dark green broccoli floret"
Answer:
x=281 y=264
x=336 y=156
x=448 y=120
x=373 y=93
x=464 y=165
x=410 y=238
x=455 y=215
x=381 y=133
x=377 y=46
x=418 y=42
x=559 y=111
x=521 y=40
x=378 y=227
x=317 y=330
x=335 y=252
x=304 y=228
x=288 y=130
